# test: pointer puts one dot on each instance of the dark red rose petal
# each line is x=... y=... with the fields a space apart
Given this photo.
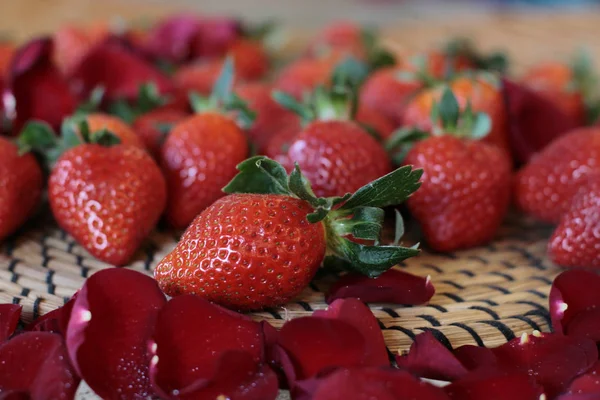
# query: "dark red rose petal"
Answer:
x=237 y=376
x=572 y=293
x=552 y=360
x=119 y=70
x=317 y=344
x=171 y=39
x=190 y=337
x=215 y=37
x=36 y=364
x=579 y=397
x=375 y=383
x=429 y=358
x=473 y=357
x=32 y=80
x=110 y=325
x=55 y=321
x=585 y=324
x=588 y=383
x=392 y=286
x=495 y=386
x=360 y=316
x=9 y=318
x=533 y=120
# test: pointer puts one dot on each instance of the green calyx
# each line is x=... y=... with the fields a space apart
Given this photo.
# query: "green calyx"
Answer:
x=223 y=99
x=464 y=48
x=419 y=72
x=356 y=215
x=377 y=56
x=38 y=137
x=448 y=118
x=585 y=81
x=148 y=99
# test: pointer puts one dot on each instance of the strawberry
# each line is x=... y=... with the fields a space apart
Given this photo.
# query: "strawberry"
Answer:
x=326 y=148
x=20 y=189
x=107 y=195
x=126 y=135
x=7 y=50
x=251 y=59
x=466 y=183
x=200 y=154
x=374 y=120
x=546 y=185
x=198 y=77
x=261 y=245
x=71 y=45
x=153 y=126
x=271 y=118
x=303 y=76
x=576 y=240
x=481 y=91
x=341 y=36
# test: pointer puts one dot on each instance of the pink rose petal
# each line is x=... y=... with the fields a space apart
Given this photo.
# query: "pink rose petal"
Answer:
x=9 y=319
x=533 y=120
x=393 y=286
x=119 y=70
x=360 y=316
x=111 y=321
x=32 y=80
x=185 y=366
x=375 y=383
x=495 y=386
x=429 y=358
x=35 y=365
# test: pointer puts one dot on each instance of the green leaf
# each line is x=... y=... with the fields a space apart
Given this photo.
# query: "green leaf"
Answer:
x=372 y=261
x=391 y=189
x=350 y=72
x=245 y=116
x=104 y=138
x=404 y=136
x=259 y=175
x=148 y=98
x=370 y=130
x=300 y=186
x=482 y=126
x=288 y=102
x=224 y=83
x=369 y=37
x=166 y=66
x=122 y=109
x=164 y=127
x=399 y=229
x=69 y=134
x=36 y=136
x=365 y=223
x=381 y=58
x=93 y=102
x=337 y=103
x=449 y=110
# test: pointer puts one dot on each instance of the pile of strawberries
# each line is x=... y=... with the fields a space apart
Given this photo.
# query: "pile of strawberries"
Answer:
x=275 y=173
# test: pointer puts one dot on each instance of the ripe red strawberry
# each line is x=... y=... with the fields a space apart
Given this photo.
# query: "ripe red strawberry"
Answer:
x=372 y=119
x=118 y=127
x=200 y=154
x=250 y=251
x=251 y=59
x=107 y=195
x=303 y=76
x=545 y=187
x=152 y=127
x=20 y=187
x=198 y=77
x=341 y=36
x=569 y=86
x=466 y=183
x=576 y=240
x=326 y=148
x=481 y=91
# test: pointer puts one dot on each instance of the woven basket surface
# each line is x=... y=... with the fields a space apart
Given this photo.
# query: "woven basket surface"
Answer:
x=484 y=296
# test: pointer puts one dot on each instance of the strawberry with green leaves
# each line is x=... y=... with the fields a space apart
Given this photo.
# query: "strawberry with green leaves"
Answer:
x=261 y=245
x=21 y=185
x=200 y=153
x=466 y=182
x=105 y=194
x=336 y=153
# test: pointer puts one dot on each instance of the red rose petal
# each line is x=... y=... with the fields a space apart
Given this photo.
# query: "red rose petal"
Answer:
x=495 y=386
x=183 y=324
x=9 y=318
x=572 y=292
x=589 y=383
x=107 y=334
x=171 y=39
x=36 y=364
x=552 y=360
x=118 y=70
x=429 y=358
x=533 y=120
x=215 y=37
x=393 y=286
x=317 y=344
x=375 y=383
x=360 y=316
x=55 y=321
x=472 y=357
x=32 y=80
x=586 y=324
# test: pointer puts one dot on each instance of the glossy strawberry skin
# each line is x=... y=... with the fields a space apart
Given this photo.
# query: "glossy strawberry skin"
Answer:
x=107 y=198
x=199 y=158
x=545 y=187
x=337 y=157
x=246 y=251
x=303 y=76
x=576 y=240
x=99 y=121
x=376 y=120
x=386 y=92
x=251 y=59
x=147 y=127
x=20 y=187
x=484 y=96
x=465 y=192
x=198 y=77
x=553 y=80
